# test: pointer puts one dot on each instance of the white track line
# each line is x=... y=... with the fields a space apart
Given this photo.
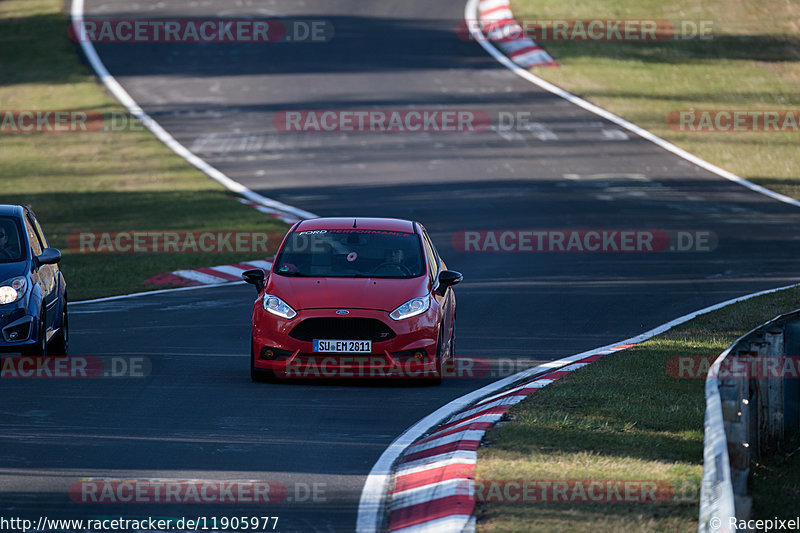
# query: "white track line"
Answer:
x=373 y=495
x=149 y=293
x=471 y=13
x=224 y=268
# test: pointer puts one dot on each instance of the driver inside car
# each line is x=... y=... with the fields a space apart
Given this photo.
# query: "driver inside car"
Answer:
x=8 y=241
x=394 y=256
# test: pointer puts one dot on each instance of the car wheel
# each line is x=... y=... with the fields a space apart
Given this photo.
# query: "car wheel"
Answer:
x=61 y=343
x=257 y=375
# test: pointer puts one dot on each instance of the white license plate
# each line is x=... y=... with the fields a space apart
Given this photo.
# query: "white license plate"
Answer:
x=336 y=346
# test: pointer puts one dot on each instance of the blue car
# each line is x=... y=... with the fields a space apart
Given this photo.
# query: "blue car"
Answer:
x=33 y=293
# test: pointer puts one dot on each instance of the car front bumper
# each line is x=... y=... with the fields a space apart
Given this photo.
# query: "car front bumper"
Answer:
x=19 y=332
x=409 y=353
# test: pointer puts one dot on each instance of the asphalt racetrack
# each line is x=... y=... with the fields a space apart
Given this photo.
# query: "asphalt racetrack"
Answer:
x=193 y=413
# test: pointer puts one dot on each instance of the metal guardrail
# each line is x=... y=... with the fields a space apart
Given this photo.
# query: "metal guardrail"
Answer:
x=750 y=402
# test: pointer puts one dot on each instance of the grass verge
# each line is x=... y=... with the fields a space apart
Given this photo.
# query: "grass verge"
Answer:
x=775 y=482
x=623 y=418
x=752 y=62
x=124 y=180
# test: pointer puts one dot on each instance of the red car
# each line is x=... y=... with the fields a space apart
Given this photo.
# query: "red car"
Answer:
x=354 y=297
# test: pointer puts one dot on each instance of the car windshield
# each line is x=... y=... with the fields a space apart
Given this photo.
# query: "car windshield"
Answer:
x=351 y=253
x=10 y=242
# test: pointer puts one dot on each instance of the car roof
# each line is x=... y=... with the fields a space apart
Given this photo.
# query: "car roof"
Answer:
x=10 y=210
x=385 y=224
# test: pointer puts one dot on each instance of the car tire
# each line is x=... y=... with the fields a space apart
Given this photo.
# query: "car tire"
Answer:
x=257 y=375
x=60 y=344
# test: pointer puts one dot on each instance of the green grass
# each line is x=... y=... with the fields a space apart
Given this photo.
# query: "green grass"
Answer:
x=621 y=418
x=774 y=481
x=751 y=63
x=98 y=181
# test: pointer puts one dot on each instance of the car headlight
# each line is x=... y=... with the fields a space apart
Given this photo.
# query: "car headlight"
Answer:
x=413 y=307
x=12 y=290
x=276 y=306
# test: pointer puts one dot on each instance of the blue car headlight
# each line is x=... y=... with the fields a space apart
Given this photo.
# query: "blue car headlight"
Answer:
x=13 y=289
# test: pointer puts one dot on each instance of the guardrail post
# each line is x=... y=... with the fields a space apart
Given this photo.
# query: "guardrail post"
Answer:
x=791 y=388
x=770 y=393
x=736 y=401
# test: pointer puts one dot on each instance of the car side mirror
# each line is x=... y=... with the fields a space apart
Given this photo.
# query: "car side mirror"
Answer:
x=49 y=256
x=255 y=277
x=448 y=278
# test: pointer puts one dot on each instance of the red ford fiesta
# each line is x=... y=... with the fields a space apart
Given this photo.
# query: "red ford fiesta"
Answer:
x=354 y=298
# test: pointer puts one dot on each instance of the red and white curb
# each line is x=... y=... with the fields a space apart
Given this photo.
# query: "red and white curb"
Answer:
x=501 y=29
x=216 y=275
x=285 y=216
x=434 y=479
x=207 y=276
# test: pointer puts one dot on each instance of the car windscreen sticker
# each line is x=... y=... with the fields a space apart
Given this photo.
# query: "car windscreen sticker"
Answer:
x=372 y=232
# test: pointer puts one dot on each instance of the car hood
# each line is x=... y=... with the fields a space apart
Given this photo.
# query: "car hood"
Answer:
x=346 y=293
x=12 y=270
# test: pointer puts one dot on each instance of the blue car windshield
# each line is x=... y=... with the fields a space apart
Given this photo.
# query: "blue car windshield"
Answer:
x=351 y=253
x=11 y=248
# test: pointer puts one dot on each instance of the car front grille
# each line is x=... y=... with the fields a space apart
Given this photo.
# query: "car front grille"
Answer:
x=351 y=328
